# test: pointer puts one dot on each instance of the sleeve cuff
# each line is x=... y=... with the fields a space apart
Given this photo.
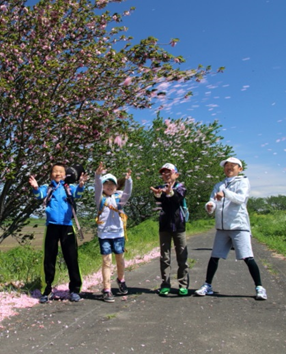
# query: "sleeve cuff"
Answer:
x=170 y=194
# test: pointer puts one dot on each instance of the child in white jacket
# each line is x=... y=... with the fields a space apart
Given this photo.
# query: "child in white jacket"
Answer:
x=111 y=228
x=229 y=201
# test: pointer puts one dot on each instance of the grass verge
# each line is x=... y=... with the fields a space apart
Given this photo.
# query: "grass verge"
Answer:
x=20 y=267
x=270 y=229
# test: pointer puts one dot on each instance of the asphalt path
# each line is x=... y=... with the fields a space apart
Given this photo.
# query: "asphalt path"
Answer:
x=230 y=321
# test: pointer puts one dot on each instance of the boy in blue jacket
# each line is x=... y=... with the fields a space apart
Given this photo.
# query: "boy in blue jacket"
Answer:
x=59 y=228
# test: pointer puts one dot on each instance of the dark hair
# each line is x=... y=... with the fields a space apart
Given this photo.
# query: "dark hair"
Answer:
x=58 y=164
x=121 y=183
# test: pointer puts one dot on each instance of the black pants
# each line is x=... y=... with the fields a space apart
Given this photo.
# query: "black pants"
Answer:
x=67 y=238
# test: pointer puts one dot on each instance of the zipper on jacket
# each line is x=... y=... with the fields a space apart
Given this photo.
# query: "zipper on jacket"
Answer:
x=226 y=185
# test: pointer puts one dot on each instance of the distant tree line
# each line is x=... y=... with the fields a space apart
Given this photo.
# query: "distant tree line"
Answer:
x=267 y=205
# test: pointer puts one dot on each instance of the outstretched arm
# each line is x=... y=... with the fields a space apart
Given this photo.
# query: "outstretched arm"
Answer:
x=98 y=184
x=127 y=189
x=39 y=192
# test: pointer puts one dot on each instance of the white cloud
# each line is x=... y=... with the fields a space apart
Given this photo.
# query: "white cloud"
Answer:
x=266 y=181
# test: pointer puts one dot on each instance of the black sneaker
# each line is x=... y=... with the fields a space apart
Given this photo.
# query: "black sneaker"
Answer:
x=107 y=296
x=43 y=299
x=122 y=287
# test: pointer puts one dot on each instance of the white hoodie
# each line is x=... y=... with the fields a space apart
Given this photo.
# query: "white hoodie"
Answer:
x=231 y=211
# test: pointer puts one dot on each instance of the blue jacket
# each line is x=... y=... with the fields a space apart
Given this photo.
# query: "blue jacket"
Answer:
x=58 y=209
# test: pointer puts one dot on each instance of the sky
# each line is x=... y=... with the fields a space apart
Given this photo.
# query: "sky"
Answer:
x=247 y=37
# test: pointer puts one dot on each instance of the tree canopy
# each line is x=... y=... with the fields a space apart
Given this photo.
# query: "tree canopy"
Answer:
x=196 y=150
x=68 y=74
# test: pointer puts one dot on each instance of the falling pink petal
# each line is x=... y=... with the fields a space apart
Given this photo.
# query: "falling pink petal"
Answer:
x=127 y=81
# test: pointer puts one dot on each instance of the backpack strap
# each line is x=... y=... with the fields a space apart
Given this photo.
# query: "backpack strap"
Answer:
x=49 y=195
x=183 y=207
x=71 y=201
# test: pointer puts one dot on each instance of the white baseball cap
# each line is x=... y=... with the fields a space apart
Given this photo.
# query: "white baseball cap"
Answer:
x=109 y=177
x=232 y=160
x=168 y=166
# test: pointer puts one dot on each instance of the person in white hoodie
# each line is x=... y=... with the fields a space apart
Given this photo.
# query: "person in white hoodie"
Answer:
x=111 y=221
x=229 y=202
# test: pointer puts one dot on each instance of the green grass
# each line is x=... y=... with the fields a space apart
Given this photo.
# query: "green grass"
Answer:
x=22 y=265
x=270 y=229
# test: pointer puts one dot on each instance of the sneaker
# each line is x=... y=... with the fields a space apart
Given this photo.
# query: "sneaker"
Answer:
x=122 y=287
x=164 y=291
x=43 y=299
x=260 y=293
x=205 y=289
x=183 y=291
x=107 y=296
x=74 y=297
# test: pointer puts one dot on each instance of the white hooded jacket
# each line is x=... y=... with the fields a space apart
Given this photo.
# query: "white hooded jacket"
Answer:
x=231 y=211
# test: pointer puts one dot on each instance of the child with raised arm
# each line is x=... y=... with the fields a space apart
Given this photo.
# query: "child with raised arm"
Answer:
x=110 y=203
x=59 y=228
x=172 y=226
x=229 y=200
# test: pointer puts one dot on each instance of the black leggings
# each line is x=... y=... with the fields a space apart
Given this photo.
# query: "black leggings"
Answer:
x=250 y=262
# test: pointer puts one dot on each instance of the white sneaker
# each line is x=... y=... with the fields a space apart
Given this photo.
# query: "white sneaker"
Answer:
x=205 y=289
x=260 y=293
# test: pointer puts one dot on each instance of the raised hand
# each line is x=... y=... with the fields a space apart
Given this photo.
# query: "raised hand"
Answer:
x=83 y=178
x=33 y=182
x=128 y=174
x=100 y=169
x=157 y=190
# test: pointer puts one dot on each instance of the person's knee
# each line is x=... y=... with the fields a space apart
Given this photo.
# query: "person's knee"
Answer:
x=214 y=260
x=249 y=260
x=106 y=260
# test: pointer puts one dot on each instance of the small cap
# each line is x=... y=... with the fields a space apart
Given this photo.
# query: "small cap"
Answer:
x=109 y=177
x=168 y=166
x=232 y=160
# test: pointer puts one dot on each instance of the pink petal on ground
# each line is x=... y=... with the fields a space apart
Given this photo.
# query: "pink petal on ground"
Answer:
x=11 y=301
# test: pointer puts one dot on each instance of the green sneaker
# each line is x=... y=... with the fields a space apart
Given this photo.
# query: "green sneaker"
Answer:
x=164 y=291
x=183 y=291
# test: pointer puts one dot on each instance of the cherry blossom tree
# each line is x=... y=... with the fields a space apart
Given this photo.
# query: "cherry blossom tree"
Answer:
x=195 y=148
x=68 y=75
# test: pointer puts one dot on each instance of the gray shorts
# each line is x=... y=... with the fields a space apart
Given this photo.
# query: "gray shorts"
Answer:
x=224 y=240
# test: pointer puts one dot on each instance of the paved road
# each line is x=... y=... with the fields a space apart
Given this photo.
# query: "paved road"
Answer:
x=230 y=321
